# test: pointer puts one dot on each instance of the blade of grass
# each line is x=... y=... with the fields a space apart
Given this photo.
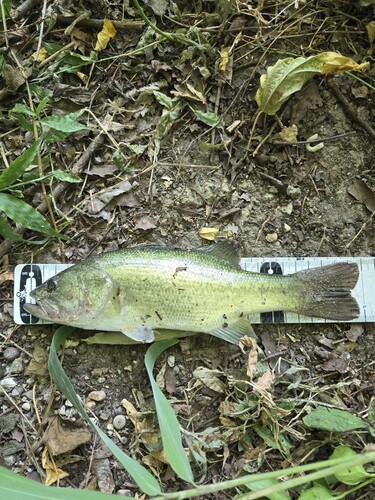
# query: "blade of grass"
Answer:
x=145 y=481
x=16 y=487
x=168 y=423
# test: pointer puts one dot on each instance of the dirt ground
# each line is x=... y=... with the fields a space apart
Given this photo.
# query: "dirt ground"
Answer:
x=156 y=178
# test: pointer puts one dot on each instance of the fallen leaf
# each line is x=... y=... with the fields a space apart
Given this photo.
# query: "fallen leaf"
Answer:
x=252 y=356
x=208 y=233
x=354 y=332
x=38 y=363
x=108 y=31
x=361 y=192
x=289 y=75
x=53 y=473
x=144 y=223
x=224 y=59
x=289 y=134
x=61 y=438
x=210 y=379
x=265 y=381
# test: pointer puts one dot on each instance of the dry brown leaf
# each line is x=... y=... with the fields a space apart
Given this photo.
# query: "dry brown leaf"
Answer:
x=265 y=381
x=61 y=438
x=209 y=378
x=361 y=192
x=38 y=363
x=145 y=223
x=252 y=356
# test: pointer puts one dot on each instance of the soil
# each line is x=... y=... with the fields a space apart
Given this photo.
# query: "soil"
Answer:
x=270 y=197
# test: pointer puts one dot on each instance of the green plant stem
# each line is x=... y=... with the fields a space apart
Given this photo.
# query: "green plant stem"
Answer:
x=328 y=467
x=168 y=36
x=25 y=183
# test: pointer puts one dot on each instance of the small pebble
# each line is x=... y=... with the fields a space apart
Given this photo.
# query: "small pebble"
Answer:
x=26 y=406
x=97 y=395
x=8 y=383
x=11 y=353
x=10 y=460
x=119 y=422
x=16 y=366
x=272 y=237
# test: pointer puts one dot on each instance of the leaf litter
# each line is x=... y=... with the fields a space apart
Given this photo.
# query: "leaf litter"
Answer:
x=164 y=98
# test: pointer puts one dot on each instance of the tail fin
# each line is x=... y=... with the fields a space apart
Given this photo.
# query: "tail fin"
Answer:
x=325 y=291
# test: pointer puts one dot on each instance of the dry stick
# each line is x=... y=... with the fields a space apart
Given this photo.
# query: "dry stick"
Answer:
x=98 y=23
x=77 y=168
x=349 y=109
x=24 y=8
x=41 y=30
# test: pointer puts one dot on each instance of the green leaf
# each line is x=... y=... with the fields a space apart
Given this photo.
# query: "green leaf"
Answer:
x=65 y=123
x=266 y=483
x=317 y=492
x=333 y=420
x=41 y=105
x=7 y=232
x=168 y=423
x=25 y=215
x=19 y=165
x=22 y=109
x=289 y=75
x=16 y=487
x=351 y=476
x=164 y=100
x=146 y=482
x=208 y=118
x=64 y=176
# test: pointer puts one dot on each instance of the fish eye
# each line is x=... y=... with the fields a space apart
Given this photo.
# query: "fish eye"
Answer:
x=51 y=286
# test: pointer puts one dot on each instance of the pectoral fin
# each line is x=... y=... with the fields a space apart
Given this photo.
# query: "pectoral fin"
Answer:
x=141 y=333
x=233 y=333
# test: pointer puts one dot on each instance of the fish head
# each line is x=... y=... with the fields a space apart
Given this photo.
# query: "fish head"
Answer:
x=73 y=297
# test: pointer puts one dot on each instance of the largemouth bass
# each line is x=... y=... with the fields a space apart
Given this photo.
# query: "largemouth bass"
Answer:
x=142 y=289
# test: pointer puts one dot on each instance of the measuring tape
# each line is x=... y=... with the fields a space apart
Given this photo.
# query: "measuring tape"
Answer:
x=29 y=276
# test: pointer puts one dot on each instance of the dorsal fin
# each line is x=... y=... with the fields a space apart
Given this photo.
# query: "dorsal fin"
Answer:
x=224 y=250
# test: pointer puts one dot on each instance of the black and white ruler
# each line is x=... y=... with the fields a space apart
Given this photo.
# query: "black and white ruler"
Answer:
x=29 y=276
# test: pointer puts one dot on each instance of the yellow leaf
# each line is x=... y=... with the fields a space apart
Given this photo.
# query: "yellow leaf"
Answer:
x=53 y=473
x=208 y=233
x=224 y=59
x=42 y=55
x=332 y=63
x=84 y=78
x=108 y=31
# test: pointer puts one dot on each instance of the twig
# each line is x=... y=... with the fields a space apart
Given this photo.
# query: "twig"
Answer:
x=41 y=28
x=98 y=23
x=363 y=227
x=24 y=8
x=349 y=109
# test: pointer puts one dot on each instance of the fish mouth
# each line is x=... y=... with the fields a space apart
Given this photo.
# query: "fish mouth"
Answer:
x=42 y=309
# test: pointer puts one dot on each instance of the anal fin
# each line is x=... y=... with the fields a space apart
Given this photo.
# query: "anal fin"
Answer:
x=141 y=333
x=234 y=332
